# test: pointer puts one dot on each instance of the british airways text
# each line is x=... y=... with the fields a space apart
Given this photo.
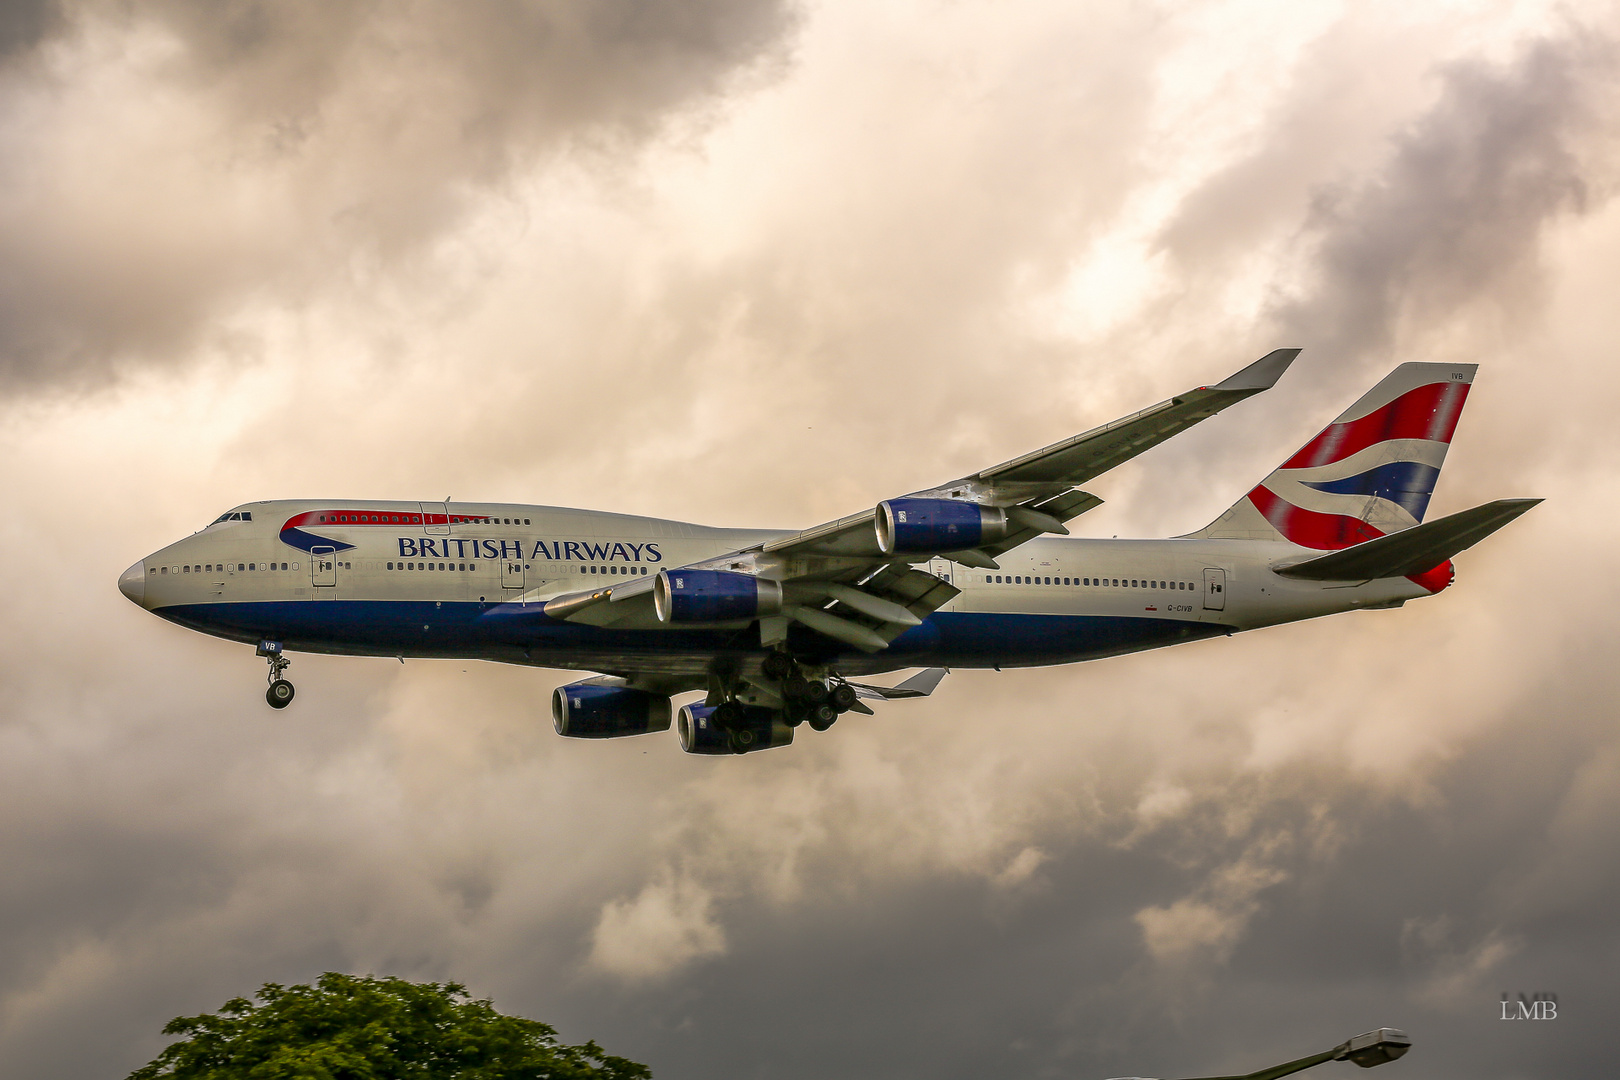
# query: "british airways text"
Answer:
x=455 y=547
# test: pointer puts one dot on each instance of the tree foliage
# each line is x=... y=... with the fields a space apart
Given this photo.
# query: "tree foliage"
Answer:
x=349 y=1027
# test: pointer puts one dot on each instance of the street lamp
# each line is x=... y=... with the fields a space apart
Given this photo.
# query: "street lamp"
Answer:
x=1367 y=1049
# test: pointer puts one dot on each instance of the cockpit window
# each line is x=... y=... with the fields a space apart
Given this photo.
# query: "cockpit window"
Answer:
x=233 y=515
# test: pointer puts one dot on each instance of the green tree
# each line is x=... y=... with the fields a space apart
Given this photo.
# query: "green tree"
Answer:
x=349 y=1027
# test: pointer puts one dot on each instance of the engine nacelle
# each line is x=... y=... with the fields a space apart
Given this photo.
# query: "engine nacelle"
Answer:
x=914 y=525
x=584 y=711
x=700 y=735
x=699 y=596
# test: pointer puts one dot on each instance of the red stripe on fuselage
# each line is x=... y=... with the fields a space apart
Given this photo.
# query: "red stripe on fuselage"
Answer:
x=1425 y=412
x=328 y=518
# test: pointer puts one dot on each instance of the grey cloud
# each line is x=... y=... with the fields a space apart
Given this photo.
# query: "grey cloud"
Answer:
x=1455 y=212
x=24 y=24
x=175 y=163
x=1458 y=213
x=1428 y=255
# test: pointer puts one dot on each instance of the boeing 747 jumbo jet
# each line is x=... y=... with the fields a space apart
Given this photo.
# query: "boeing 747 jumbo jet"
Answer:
x=775 y=626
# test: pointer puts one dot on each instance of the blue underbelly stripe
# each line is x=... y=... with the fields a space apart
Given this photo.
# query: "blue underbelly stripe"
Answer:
x=426 y=628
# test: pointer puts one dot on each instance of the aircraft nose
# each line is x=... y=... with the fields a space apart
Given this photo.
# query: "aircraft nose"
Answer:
x=132 y=583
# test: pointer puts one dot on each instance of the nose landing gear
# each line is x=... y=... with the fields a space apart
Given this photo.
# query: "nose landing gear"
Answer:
x=280 y=694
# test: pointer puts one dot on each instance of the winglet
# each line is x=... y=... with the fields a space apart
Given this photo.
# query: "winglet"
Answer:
x=923 y=683
x=1262 y=374
x=919 y=685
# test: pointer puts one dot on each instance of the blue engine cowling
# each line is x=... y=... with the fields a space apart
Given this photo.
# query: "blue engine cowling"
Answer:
x=699 y=596
x=905 y=525
x=700 y=735
x=585 y=711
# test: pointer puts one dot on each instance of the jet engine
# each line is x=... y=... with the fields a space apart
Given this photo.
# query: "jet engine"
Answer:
x=908 y=525
x=699 y=596
x=587 y=711
x=755 y=728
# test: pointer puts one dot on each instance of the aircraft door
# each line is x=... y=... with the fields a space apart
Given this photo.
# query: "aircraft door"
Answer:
x=940 y=568
x=512 y=573
x=436 y=518
x=323 y=567
x=1214 y=589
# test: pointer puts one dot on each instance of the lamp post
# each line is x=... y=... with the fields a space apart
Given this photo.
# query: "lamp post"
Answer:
x=1367 y=1049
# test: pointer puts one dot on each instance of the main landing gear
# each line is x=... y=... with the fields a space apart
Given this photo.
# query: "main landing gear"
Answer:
x=816 y=701
x=280 y=694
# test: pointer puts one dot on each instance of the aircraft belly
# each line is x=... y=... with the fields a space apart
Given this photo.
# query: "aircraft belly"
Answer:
x=472 y=630
x=983 y=639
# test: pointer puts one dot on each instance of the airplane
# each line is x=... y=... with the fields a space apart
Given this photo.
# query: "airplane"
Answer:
x=775 y=627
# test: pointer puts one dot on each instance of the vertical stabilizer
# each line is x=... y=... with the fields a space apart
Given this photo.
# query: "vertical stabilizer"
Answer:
x=1367 y=474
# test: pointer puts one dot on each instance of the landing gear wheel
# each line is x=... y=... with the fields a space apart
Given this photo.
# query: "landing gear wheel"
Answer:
x=741 y=741
x=815 y=691
x=822 y=717
x=778 y=665
x=796 y=688
x=843 y=697
x=280 y=694
x=727 y=716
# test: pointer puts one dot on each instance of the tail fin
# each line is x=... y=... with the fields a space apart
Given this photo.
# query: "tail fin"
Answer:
x=1368 y=474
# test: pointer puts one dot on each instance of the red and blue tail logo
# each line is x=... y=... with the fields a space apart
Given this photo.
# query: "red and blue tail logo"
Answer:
x=1369 y=473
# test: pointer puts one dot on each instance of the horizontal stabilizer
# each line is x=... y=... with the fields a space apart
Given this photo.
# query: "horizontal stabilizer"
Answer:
x=1411 y=551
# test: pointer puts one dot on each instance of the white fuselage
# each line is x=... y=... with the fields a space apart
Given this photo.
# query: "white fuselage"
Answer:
x=416 y=579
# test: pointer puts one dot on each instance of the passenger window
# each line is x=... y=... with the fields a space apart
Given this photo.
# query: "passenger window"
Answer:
x=390 y=566
x=165 y=570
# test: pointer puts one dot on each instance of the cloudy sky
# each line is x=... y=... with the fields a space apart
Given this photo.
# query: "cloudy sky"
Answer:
x=752 y=262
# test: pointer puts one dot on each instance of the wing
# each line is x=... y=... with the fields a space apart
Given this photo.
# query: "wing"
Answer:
x=1037 y=489
x=853 y=580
